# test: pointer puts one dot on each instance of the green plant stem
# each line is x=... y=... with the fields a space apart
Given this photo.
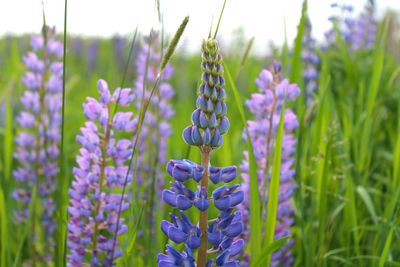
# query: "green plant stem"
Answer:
x=203 y=221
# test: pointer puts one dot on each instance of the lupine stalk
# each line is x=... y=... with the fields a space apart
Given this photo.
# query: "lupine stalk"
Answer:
x=103 y=158
x=209 y=123
x=266 y=107
x=37 y=141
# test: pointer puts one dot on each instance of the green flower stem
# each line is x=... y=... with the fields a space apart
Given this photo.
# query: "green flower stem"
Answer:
x=203 y=222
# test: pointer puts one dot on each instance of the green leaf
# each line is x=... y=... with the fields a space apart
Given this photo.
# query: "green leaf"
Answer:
x=296 y=64
x=3 y=230
x=379 y=56
x=27 y=226
x=255 y=222
x=271 y=248
x=345 y=54
x=134 y=232
x=63 y=201
x=273 y=193
x=368 y=202
x=385 y=252
x=8 y=142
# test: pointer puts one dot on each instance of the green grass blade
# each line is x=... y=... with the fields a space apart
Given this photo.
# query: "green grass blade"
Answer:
x=386 y=249
x=368 y=203
x=8 y=142
x=296 y=64
x=62 y=188
x=3 y=230
x=27 y=227
x=345 y=54
x=285 y=49
x=132 y=239
x=322 y=200
x=255 y=218
x=379 y=56
x=244 y=57
x=273 y=193
x=271 y=248
x=396 y=157
x=219 y=20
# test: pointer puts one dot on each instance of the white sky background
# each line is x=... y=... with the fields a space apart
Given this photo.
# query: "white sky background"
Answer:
x=262 y=19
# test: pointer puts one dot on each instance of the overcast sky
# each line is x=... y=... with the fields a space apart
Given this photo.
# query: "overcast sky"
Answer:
x=263 y=19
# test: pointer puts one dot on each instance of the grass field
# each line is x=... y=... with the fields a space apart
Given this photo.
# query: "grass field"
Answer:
x=347 y=159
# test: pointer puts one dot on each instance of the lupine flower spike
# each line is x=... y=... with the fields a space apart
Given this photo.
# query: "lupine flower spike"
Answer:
x=218 y=236
x=266 y=107
x=37 y=141
x=102 y=167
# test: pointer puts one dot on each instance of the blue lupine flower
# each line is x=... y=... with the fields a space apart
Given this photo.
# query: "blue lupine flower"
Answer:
x=209 y=123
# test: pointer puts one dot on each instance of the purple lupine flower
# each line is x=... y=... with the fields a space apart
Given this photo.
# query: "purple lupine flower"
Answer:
x=209 y=123
x=365 y=28
x=310 y=62
x=359 y=33
x=156 y=128
x=266 y=107
x=37 y=140
x=102 y=167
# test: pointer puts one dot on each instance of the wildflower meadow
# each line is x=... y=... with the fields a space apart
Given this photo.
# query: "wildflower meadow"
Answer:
x=129 y=151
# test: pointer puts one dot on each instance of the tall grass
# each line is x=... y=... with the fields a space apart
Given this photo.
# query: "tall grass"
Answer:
x=347 y=156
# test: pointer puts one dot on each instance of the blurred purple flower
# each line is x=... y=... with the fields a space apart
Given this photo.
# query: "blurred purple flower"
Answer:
x=77 y=46
x=93 y=53
x=156 y=128
x=37 y=140
x=310 y=62
x=119 y=44
x=358 y=32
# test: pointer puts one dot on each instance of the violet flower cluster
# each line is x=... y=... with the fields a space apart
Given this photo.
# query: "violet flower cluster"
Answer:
x=310 y=62
x=39 y=135
x=266 y=107
x=220 y=234
x=156 y=128
x=102 y=168
x=358 y=32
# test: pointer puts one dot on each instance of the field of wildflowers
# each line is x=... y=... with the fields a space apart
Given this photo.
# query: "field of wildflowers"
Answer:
x=129 y=152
